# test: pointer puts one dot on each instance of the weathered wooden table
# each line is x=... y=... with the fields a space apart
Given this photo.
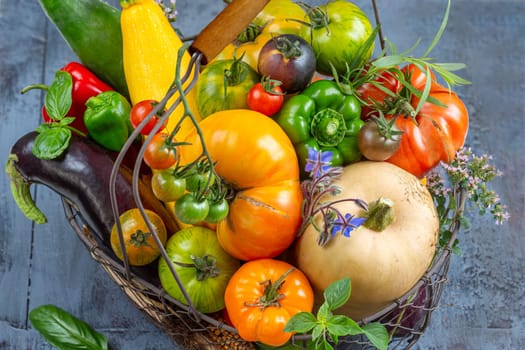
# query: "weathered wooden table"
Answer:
x=483 y=306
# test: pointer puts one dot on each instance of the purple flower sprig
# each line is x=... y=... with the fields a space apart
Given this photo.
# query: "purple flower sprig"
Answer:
x=470 y=173
x=315 y=189
x=169 y=9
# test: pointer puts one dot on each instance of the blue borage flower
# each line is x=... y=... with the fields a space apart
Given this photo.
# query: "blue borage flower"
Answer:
x=347 y=225
x=317 y=163
x=316 y=188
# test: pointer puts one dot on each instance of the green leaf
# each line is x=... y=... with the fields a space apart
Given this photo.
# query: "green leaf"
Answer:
x=342 y=325
x=388 y=61
x=318 y=332
x=338 y=293
x=50 y=143
x=58 y=98
x=324 y=312
x=377 y=334
x=301 y=322
x=426 y=91
x=440 y=31
x=450 y=66
x=66 y=121
x=64 y=331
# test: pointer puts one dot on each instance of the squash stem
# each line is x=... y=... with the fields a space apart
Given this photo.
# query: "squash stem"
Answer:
x=380 y=214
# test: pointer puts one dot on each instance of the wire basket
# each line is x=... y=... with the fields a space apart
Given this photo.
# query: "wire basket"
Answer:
x=406 y=318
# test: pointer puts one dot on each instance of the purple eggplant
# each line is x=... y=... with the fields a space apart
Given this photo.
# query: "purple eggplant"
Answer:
x=82 y=175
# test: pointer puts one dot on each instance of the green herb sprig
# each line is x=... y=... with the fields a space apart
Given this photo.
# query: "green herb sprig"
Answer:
x=326 y=328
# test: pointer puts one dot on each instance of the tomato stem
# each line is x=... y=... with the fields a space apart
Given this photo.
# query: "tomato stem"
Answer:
x=288 y=48
x=140 y=238
x=205 y=266
x=271 y=294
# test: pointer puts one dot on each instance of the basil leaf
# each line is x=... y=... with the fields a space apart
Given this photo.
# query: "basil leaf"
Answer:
x=50 y=143
x=64 y=331
x=342 y=325
x=58 y=98
x=301 y=322
x=338 y=293
x=377 y=334
x=67 y=120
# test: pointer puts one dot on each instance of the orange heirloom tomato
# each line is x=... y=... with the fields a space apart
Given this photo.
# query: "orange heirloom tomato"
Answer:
x=255 y=158
x=139 y=242
x=262 y=296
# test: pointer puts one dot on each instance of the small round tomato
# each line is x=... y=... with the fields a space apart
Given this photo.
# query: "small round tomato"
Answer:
x=160 y=153
x=140 y=245
x=266 y=97
x=166 y=186
x=190 y=209
x=140 y=111
x=218 y=211
x=377 y=140
x=202 y=266
x=289 y=59
x=262 y=295
x=198 y=181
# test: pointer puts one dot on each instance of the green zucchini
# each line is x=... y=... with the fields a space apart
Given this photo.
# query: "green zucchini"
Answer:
x=91 y=28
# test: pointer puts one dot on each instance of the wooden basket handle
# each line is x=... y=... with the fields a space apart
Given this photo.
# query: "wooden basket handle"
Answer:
x=225 y=27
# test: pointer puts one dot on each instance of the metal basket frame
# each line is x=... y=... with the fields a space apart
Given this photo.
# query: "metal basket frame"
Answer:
x=195 y=330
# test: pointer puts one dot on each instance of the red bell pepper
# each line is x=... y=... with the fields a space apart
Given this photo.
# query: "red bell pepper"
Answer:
x=85 y=85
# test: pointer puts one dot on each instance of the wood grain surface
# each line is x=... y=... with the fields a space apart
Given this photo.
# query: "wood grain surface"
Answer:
x=483 y=306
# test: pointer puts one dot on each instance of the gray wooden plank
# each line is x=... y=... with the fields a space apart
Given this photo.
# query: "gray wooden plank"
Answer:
x=482 y=306
x=19 y=65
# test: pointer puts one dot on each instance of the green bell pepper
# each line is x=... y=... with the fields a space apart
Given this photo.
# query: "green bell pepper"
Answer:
x=323 y=118
x=107 y=119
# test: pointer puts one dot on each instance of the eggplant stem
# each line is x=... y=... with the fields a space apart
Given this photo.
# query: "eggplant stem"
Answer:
x=21 y=193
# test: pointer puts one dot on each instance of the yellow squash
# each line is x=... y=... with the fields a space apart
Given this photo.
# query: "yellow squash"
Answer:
x=150 y=49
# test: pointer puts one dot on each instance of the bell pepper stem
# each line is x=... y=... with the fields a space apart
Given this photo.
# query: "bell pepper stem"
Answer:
x=34 y=87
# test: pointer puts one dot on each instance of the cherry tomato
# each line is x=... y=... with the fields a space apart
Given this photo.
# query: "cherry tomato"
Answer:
x=191 y=210
x=266 y=97
x=376 y=143
x=160 y=153
x=197 y=182
x=140 y=111
x=218 y=211
x=166 y=186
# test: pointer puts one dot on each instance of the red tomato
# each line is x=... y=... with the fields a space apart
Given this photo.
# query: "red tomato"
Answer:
x=160 y=153
x=140 y=111
x=267 y=101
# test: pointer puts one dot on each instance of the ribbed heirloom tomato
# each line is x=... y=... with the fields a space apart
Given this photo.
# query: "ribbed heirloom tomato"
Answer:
x=435 y=133
x=255 y=158
x=262 y=295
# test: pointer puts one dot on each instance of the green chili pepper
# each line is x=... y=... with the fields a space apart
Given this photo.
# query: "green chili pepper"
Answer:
x=324 y=118
x=107 y=119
